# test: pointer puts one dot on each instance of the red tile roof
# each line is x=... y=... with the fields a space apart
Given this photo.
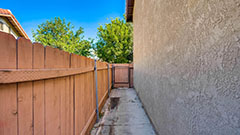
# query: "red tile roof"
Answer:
x=8 y=14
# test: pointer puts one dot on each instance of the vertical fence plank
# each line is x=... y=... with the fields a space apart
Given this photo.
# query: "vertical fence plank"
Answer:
x=79 y=114
x=69 y=105
x=92 y=87
x=38 y=56
x=38 y=90
x=24 y=53
x=65 y=92
x=63 y=102
x=99 y=80
x=88 y=91
x=102 y=83
x=7 y=51
x=25 y=108
x=85 y=94
x=104 y=78
x=52 y=108
x=74 y=63
x=61 y=94
x=8 y=109
x=52 y=95
x=111 y=73
x=8 y=99
x=77 y=62
x=93 y=96
x=25 y=117
x=72 y=105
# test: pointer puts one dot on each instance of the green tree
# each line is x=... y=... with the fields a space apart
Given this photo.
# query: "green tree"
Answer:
x=115 y=42
x=60 y=34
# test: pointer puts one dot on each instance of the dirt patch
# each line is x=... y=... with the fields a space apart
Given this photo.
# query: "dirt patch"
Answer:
x=114 y=101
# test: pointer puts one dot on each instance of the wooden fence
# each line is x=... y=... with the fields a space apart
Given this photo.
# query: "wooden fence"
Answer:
x=46 y=91
x=123 y=75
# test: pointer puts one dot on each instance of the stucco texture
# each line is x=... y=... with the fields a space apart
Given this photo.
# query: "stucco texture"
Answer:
x=187 y=65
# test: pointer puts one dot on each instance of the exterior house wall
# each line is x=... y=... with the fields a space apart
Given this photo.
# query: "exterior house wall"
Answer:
x=7 y=25
x=187 y=65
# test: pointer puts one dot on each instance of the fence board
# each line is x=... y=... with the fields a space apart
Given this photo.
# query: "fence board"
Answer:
x=92 y=87
x=99 y=79
x=38 y=56
x=69 y=106
x=52 y=108
x=75 y=61
x=85 y=98
x=79 y=104
x=8 y=109
x=8 y=93
x=7 y=51
x=24 y=50
x=79 y=95
x=52 y=94
x=72 y=105
x=87 y=94
x=39 y=108
x=65 y=98
x=63 y=104
x=38 y=91
x=25 y=110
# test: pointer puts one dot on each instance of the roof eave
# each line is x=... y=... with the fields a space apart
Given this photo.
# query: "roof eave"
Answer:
x=129 y=10
x=15 y=24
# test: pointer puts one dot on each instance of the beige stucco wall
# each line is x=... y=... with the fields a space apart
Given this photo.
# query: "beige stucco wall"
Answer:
x=6 y=25
x=187 y=65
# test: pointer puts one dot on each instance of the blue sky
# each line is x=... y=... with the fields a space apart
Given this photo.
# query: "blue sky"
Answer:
x=85 y=13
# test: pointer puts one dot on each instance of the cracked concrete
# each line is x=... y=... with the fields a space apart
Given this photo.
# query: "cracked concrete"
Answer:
x=123 y=115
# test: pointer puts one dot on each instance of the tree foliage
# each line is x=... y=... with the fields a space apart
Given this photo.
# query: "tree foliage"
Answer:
x=115 y=42
x=60 y=34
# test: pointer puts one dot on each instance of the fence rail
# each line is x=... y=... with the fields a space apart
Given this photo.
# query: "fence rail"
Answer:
x=46 y=91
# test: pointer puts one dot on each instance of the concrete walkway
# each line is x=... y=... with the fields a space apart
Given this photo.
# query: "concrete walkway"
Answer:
x=123 y=115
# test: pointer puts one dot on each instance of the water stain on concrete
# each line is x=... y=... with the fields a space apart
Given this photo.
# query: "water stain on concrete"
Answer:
x=114 y=101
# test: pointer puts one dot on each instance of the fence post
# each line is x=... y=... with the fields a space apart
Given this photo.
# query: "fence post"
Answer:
x=129 y=80
x=113 y=75
x=108 y=81
x=96 y=81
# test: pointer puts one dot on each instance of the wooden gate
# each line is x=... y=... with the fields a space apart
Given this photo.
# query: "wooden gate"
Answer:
x=122 y=75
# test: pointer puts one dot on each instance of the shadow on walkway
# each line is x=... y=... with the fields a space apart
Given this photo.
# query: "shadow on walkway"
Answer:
x=123 y=115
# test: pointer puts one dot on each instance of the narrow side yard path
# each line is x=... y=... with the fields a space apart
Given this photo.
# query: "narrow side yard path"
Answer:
x=123 y=115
